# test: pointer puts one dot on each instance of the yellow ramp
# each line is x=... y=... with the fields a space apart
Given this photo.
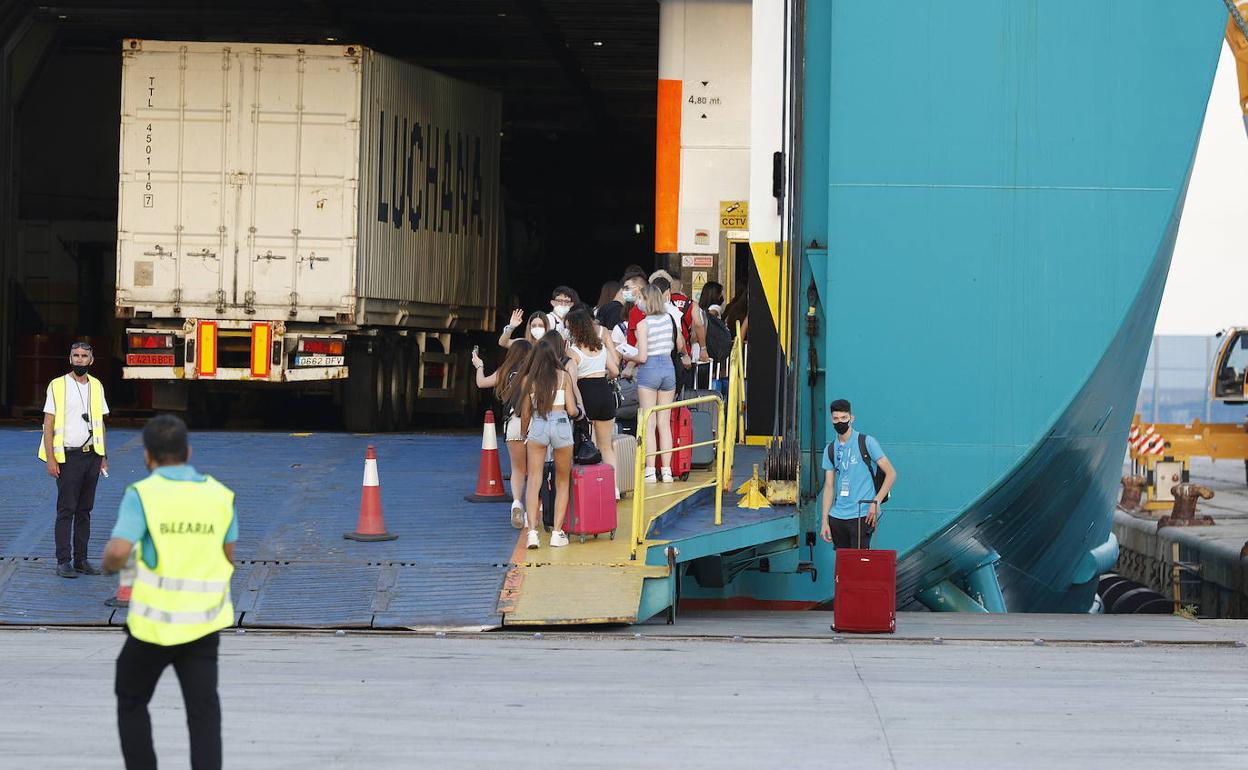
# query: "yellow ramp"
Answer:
x=590 y=582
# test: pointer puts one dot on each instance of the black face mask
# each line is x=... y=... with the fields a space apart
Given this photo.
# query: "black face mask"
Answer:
x=841 y=427
x=80 y=370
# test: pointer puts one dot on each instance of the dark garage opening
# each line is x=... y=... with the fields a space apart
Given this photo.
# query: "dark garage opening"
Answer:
x=578 y=81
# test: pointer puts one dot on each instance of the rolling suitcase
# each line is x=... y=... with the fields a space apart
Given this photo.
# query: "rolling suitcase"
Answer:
x=705 y=420
x=625 y=457
x=591 y=504
x=547 y=495
x=865 y=599
x=682 y=435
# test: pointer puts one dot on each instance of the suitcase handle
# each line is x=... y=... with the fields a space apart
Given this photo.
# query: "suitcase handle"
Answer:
x=859 y=519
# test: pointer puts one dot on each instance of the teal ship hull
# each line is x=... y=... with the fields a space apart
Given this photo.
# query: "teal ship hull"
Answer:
x=989 y=197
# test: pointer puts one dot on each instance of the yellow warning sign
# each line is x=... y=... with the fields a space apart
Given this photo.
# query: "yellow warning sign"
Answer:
x=699 y=280
x=734 y=215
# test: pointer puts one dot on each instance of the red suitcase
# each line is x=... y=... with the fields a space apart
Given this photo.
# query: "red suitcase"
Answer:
x=591 y=504
x=866 y=591
x=682 y=435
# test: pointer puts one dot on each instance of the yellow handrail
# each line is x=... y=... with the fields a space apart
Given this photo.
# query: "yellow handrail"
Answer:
x=729 y=425
x=641 y=524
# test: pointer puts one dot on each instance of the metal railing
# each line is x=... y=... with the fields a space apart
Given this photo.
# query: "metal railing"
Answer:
x=729 y=424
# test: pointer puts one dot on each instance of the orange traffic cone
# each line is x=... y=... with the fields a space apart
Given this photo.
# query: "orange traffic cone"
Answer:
x=371 y=527
x=489 y=474
x=122 y=599
x=125 y=582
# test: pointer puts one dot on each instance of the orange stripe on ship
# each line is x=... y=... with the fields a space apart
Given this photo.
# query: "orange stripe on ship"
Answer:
x=667 y=166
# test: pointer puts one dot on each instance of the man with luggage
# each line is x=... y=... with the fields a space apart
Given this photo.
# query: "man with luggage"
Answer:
x=181 y=527
x=855 y=470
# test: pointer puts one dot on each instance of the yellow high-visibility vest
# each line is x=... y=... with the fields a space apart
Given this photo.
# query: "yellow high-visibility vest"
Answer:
x=58 y=420
x=187 y=595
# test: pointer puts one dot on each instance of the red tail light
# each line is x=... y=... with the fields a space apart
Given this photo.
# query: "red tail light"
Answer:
x=321 y=347
x=150 y=341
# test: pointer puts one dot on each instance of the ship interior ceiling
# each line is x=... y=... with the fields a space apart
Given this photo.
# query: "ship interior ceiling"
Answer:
x=578 y=86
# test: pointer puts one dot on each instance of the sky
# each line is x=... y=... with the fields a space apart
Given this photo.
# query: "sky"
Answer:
x=1208 y=285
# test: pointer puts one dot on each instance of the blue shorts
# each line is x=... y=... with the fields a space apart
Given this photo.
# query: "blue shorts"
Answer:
x=657 y=373
x=553 y=430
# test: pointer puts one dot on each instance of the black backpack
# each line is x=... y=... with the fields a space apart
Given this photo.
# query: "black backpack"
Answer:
x=877 y=473
x=718 y=338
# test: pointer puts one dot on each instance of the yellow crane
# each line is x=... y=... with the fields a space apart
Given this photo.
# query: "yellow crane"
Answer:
x=1237 y=39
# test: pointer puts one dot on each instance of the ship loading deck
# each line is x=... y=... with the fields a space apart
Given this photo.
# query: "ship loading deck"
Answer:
x=456 y=566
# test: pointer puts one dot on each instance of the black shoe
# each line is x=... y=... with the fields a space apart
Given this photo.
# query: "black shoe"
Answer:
x=66 y=570
x=84 y=567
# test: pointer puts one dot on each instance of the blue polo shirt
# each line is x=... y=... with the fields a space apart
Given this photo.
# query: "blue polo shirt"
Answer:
x=132 y=523
x=851 y=469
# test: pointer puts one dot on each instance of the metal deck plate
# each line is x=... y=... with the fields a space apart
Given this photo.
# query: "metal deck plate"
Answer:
x=315 y=596
x=442 y=597
x=31 y=593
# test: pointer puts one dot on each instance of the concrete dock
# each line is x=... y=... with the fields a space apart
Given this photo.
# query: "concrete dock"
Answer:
x=690 y=695
x=1216 y=585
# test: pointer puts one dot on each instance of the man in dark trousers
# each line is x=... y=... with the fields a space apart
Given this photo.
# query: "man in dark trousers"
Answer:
x=849 y=465
x=181 y=527
x=73 y=448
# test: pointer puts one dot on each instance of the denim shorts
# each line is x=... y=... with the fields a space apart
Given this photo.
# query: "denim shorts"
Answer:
x=512 y=431
x=657 y=373
x=554 y=430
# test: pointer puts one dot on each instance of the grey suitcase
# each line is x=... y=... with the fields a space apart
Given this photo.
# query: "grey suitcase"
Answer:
x=625 y=456
x=705 y=422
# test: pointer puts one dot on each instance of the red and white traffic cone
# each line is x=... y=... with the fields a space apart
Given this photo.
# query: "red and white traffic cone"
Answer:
x=370 y=527
x=125 y=583
x=121 y=599
x=489 y=473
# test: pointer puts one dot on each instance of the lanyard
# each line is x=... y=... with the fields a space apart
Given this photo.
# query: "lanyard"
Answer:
x=841 y=455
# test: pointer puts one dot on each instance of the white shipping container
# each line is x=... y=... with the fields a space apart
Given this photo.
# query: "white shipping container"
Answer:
x=305 y=184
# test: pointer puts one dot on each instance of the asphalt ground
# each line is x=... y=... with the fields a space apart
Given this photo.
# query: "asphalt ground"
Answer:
x=380 y=700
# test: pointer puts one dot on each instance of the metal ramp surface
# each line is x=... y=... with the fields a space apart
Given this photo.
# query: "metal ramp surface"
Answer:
x=295 y=496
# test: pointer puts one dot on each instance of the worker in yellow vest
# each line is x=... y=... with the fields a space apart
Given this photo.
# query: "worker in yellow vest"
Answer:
x=180 y=527
x=73 y=448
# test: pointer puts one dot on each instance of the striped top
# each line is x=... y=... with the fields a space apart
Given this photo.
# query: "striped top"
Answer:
x=660 y=336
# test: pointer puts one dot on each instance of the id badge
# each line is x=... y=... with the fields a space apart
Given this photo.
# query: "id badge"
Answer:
x=845 y=489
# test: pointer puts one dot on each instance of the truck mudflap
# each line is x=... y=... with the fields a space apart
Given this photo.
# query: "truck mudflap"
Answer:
x=234 y=351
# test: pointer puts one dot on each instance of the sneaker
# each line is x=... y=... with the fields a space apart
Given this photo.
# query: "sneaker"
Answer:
x=66 y=570
x=667 y=475
x=650 y=477
x=85 y=567
x=534 y=542
x=558 y=539
x=617 y=493
x=517 y=514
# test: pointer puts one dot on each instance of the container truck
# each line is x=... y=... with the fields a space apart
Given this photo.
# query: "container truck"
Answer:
x=313 y=217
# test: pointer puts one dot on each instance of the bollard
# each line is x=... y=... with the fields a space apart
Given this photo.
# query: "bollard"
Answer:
x=1184 y=512
x=1132 y=491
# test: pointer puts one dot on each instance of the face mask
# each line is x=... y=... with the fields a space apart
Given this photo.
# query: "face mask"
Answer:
x=841 y=427
x=537 y=332
x=628 y=296
x=561 y=310
x=80 y=370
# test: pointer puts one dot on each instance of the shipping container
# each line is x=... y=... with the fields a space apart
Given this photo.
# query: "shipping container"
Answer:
x=293 y=213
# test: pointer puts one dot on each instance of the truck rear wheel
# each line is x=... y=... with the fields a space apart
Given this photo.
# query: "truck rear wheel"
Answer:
x=363 y=394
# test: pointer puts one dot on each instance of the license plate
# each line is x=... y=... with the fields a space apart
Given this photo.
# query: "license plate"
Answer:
x=319 y=360
x=149 y=359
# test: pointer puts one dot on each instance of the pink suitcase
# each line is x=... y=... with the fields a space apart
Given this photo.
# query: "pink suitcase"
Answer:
x=591 y=505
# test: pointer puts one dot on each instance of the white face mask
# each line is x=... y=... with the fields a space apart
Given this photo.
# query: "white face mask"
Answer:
x=627 y=296
x=561 y=310
x=537 y=332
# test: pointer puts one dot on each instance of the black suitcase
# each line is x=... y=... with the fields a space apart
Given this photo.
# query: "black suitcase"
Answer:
x=548 y=496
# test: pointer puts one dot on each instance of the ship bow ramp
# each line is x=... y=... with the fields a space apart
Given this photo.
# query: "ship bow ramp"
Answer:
x=993 y=191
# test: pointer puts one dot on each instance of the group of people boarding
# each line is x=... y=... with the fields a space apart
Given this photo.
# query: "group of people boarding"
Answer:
x=575 y=363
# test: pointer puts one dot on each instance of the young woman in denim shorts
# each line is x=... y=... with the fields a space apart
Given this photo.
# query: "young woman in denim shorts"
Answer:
x=657 y=336
x=506 y=383
x=547 y=406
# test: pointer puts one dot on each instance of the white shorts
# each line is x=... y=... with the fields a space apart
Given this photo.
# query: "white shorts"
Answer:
x=512 y=432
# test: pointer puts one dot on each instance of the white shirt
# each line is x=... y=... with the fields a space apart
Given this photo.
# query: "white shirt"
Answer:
x=77 y=403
